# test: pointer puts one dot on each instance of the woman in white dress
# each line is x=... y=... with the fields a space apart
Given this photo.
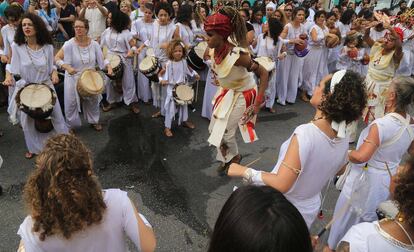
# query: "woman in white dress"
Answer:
x=256 y=21
x=291 y=66
x=13 y=14
x=162 y=33
x=78 y=54
x=142 y=30
x=315 y=65
x=395 y=235
x=69 y=211
x=316 y=151
x=119 y=41
x=333 y=53
x=381 y=147
x=183 y=26
x=32 y=59
x=269 y=45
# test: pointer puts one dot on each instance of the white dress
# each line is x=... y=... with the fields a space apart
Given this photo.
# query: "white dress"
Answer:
x=142 y=31
x=320 y=158
x=290 y=69
x=7 y=32
x=370 y=237
x=266 y=48
x=407 y=61
x=35 y=67
x=378 y=176
x=315 y=65
x=118 y=43
x=118 y=219
x=347 y=63
x=210 y=91
x=257 y=29
x=160 y=34
x=80 y=58
x=186 y=34
x=176 y=72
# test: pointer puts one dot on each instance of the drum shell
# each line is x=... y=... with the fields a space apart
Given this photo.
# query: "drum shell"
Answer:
x=84 y=93
x=43 y=125
x=152 y=73
x=36 y=113
x=118 y=71
x=177 y=99
x=331 y=41
x=194 y=61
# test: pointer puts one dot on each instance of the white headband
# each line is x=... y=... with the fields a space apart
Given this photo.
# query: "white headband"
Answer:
x=340 y=127
x=271 y=5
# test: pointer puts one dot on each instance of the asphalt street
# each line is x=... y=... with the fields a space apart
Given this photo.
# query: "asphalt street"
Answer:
x=173 y=181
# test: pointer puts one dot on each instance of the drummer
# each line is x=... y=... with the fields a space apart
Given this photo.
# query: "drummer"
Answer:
x=119 y=41
x=78 y=54
x=176 y=72
x=32 y=59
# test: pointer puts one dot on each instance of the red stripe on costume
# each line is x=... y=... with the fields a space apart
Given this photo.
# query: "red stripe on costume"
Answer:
x=220 y=97
x=249 y=97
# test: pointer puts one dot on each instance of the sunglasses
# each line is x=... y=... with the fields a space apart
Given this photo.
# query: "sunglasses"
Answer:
x=288 y=9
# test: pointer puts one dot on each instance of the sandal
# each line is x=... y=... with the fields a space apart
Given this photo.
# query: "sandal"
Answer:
x=134 y=108
x=189 y=125
x=29 y=155
x=106 y=108
x=97 y=126
x=156 y=115
x=168 y=132
x=272 y=110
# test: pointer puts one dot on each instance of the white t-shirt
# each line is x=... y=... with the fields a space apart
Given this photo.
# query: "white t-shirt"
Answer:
x=118 y=218
x=97 y=22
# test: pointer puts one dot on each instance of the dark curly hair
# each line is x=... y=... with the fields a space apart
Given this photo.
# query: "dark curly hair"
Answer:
x=62 y=193
x=13 y=11
x=163 y=6
x=120 y=21
x=43 y=36
x=404 y=191
x=184 y=14
x=347 y=101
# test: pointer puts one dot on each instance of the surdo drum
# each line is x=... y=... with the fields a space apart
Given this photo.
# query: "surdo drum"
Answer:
x=90 y=83
x=196 y=55
x=37 y=101
x=183 y=94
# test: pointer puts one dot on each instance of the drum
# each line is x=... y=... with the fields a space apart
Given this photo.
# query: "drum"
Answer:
x=90 y=83
x=37 y=101
x=331 y=40
x=302 y=50
x=266 y=62
x=183 y=94
x=196 y=55
x=387 y=209
x=150 y=67
x=117 y=66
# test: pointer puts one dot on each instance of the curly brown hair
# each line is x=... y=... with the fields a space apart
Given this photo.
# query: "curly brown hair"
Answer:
x=347 y=101
x=62 y=194
x=171 y=46
x=404 y=191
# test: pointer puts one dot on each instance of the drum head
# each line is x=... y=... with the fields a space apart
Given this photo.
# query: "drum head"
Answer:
x=150 y=52
x=91 y=81
x=147 y=63
x=184 y=92
x=266 y=62
x=200 y=49
x=36 y=96
x=114 y=60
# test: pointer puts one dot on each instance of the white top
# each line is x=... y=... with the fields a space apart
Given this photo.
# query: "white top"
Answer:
x=293 y=33
x=257 y=29
x=97 y=22
x=81 y=58
x=177 y=72
x=160 y=34
x=33 y=66
x=186 y=34
x=8 y=37
x=375 y=35
x=321 y=33
x=321 y=158
x=141 y=30
x=197 y=30
x=266 y=48
x=119 y=218
x=136 y=14
x=117 y=43
x=369 y=237
x=344 y=29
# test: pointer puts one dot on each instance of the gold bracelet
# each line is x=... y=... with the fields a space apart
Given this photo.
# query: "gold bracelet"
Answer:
x=371 y=142
x=294 y=170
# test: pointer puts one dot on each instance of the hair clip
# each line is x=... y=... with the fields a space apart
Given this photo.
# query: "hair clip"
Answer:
x=182 y=44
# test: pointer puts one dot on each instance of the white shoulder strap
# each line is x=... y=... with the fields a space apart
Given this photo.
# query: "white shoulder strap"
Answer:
x=405 y=126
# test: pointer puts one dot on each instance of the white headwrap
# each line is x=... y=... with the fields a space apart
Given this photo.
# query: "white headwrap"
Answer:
x=339 y=127
x=271 y=5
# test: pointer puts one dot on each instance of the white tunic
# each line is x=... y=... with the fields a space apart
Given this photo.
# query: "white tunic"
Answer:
x=370 y=237
x=7 y=32
x=210 y=91
x=118 y=219
x=160 y=34
x=35 y=67
x=186 y=34
x=321 y=158
x=80 y=58
x=378 y=176
x=97 y=22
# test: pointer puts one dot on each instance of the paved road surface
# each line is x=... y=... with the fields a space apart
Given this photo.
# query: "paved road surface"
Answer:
x=173 y=181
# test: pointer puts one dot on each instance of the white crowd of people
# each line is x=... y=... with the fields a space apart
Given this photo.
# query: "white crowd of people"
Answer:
x=352 y=63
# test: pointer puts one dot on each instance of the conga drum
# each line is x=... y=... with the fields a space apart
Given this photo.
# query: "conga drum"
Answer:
x=195 y=57
x=183 y=94
x=37 y=101
x=90 y=83
x=150 y=67
x=117 y=66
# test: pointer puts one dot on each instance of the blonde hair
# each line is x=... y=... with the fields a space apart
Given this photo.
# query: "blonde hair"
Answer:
x=171 y=46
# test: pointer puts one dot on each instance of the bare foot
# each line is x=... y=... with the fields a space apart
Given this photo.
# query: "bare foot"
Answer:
x=189 y=125
x=168 y=132
x=156 y=115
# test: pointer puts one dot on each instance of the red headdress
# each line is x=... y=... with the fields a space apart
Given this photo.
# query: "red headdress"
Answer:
x=399 y=32
x=219 y=23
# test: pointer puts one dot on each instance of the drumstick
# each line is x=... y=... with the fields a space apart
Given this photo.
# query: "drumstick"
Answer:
x=254 y=161
x=388 y=169
x=334 y=218
x=196 y=95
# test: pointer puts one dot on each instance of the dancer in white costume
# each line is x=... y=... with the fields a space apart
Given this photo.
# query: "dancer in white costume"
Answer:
x=316 y=151
x=162 y=33
x=237 y=102
x=290 y=67
x=270 y=45
x=32 y=59
x=142 y=30
x=395 y=235
x=381 y=145
x=119 y=41
x=177 y=72
x=78 y=54
x=315 y=65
